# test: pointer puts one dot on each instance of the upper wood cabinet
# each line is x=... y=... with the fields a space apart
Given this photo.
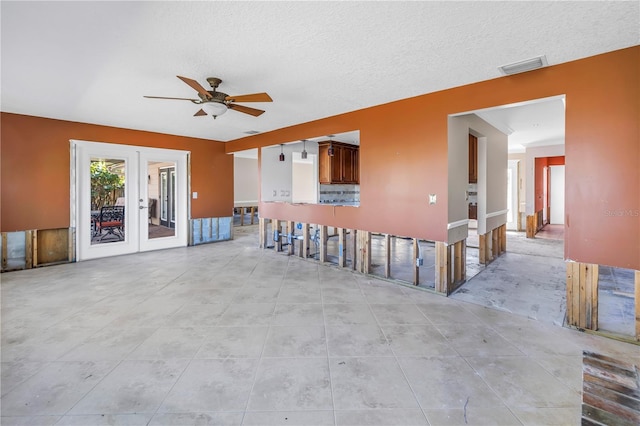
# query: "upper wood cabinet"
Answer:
x=341 y=167
x=473 y=159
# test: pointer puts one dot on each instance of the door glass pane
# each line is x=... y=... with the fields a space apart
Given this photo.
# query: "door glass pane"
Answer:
x=107 y=200
x=161 y=203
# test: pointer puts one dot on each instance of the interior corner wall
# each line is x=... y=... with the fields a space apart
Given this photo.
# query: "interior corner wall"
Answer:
x=492 y=174
x=458 y=178
x=245 y=180
x=35 y=169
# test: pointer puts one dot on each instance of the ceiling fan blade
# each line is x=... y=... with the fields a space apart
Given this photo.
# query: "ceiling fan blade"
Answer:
x=196 y=86
x=178 y=99
x=254 y=97
x=247 y=110
x=200 y=113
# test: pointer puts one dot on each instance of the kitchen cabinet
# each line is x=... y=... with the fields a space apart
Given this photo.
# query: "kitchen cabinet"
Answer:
x=473 y=159
x=342 y=166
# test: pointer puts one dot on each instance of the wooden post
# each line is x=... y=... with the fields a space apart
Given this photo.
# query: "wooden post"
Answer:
x=253 y=212
x=28 y=249
x=582 y=295
x=354 y=249
x=463 y=244
x=495 y=243
x=531 y=226
x=482 y=255
x=416 y=267
x=241 y=210
x=5 y=247
x=305 y=240
x=276 y=226
x=364 y=252
x=342 y=247
x=323 y=243
x=290 y=231
x=503 y=238
x=443 y=268
x=458 y=262
x=387 y=256
x=35 y=247
x=637 y=305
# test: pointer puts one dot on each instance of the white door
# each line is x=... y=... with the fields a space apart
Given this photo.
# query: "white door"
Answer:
x=124 y=176
x=556 y=195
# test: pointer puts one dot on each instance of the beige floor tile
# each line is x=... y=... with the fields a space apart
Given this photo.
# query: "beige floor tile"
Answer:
x=292 y=384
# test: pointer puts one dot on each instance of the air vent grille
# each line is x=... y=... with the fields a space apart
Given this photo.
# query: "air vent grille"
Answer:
x=524 y=66
x=251 y=132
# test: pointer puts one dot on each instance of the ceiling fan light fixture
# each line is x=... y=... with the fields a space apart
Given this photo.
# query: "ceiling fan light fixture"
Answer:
x=214 y=108
x=524 y=66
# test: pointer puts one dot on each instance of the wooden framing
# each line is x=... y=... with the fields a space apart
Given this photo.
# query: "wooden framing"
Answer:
x=532 y=224
x=387 y=256
x=582 y=295
x=354 y=249
x=451 y=266
x=5 y=248
x=364 y=252
x=443 y=267
x=305 y=241
x=459 y=261
x=342 y=247
x=276 y=226
x=416 y=266
x=50 y=246
x=263 y=232
x=323 y=243
x=291 y=231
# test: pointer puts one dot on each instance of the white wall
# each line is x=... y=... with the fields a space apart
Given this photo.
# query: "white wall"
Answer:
x=305 y=179
x=245 y=180
x=276 y=175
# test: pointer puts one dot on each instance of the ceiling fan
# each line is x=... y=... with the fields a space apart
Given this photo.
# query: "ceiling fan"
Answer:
x=216 y=103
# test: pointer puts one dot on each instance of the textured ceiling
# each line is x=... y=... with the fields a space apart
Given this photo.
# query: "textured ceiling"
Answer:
x=93 y=61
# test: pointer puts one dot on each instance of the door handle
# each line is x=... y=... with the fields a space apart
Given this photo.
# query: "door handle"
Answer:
x=144 y=207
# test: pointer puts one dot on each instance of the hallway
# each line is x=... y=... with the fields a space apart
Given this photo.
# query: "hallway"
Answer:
x=229 y=333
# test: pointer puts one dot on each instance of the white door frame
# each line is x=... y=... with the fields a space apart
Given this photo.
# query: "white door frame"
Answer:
x=136 y=198
x=512 y=169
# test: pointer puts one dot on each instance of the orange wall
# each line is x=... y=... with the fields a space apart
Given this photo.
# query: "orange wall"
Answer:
x=36 y=169
x=540 y=164
x=404 y=156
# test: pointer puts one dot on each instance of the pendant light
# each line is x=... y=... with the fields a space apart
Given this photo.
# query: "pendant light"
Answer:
x=303 y=154
x=281 y=153
x=330 y=151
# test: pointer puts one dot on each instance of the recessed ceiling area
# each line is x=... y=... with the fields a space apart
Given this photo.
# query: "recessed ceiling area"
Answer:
x=93 y=62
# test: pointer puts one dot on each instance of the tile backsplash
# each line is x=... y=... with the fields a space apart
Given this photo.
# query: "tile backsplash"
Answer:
x=339 y=193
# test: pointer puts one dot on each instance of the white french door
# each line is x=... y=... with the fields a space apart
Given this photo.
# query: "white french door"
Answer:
x=108 y=175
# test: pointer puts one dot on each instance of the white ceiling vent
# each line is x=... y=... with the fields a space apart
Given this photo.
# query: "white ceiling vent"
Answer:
x=523 y=66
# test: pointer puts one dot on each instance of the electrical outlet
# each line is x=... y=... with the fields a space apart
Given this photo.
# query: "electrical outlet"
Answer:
x=195 y=195
x=432 y=198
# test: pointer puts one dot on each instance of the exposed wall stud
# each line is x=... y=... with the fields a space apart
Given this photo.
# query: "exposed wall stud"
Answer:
x=323 y=243
x=342 y=247
x=387 y=256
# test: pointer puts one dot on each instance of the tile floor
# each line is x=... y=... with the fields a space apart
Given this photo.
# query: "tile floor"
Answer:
x=227 y=333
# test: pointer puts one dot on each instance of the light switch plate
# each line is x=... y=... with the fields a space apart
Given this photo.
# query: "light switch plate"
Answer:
x=195 y=195
x=432 y=198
